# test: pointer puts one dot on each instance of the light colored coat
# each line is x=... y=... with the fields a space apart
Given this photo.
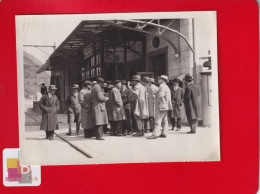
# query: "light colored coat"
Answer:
x=116 y=107
x=98 y=106
x=150 y=100
x=141 y=106
x=87 y=121
x=49 y=107
x=163 y=98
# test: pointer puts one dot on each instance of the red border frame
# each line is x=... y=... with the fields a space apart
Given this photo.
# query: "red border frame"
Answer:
x=238 y=57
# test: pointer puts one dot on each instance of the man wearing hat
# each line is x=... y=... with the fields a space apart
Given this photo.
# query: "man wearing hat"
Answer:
x=107 y=91
x=126 y=94
x=140 y=99
x=163 y=104
x=73 y=108
x=86 y=109
x=43 y=89
x=177 y=94
x=49 y=104
x=99 y=108
x=191 y=102
x=116 y=110
x=149 y=123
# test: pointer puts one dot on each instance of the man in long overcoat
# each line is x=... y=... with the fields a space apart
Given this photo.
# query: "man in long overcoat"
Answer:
x=140 y=98
x=191 y=103
x=126 y=93
x=177 y=101
x=86 y=109
x=74 y=109
x=49 y=104
x=162 y=106
x=99 y=108
x=149 y=123
x=116 y=109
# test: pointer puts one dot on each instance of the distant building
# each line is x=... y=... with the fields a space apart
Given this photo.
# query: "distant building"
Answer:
x=31 y=84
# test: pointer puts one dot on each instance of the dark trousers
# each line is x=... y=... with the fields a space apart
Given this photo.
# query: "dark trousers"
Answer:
x=149 y=124
x=88 y=133
x=49 y=133
x=76 y=113
x=177 y=124
x=105 y=129
x=116 y=127
x=134 y=123
x=97 y=131
x=127 y=124
x=193 y=124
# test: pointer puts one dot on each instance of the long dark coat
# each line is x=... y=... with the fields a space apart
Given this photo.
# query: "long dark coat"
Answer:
x=49 y=107
x=191 y=101
x=177 y=101
x=150 y=100
x=116 y=107
x=98 y=106
x=87 y=121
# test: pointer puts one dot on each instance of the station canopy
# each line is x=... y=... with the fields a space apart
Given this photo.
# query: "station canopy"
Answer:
x=89 y=31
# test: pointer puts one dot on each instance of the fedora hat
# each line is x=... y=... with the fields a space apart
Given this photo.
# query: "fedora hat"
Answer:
x=164 y=77
x=146 y=79
x=152 y=80
x=136 y=78
x=75 y=86
x=87 y=83
x=175 y=80
x=52 y=87
x=109 y=82
x=100 y=80
x=123 y=81
x=117 y=81
x=188 y=77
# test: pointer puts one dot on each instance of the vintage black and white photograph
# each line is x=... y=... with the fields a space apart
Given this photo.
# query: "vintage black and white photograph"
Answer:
x=118 y=88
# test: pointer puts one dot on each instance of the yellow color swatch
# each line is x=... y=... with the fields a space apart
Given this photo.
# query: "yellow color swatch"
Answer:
x=11 y=163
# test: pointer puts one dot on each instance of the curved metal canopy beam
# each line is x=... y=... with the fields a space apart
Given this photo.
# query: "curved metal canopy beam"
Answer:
x=161 y=26
x=177 y=54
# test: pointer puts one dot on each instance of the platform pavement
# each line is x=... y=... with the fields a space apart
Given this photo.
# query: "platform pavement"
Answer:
x=178 y=146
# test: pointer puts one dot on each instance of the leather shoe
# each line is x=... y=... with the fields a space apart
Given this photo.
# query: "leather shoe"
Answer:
x=147 y=131
x=139 y=134
x=119 y=134
x=112 y=134
x=100 y=138
x=178 y=129
x=191 y=132
x=152 y=137
x=68 y=133
x=163 y=136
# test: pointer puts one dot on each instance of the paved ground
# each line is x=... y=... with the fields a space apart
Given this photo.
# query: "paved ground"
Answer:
x=178 y=146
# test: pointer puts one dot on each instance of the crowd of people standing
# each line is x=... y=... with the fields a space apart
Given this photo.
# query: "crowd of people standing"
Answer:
x=133 y=108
